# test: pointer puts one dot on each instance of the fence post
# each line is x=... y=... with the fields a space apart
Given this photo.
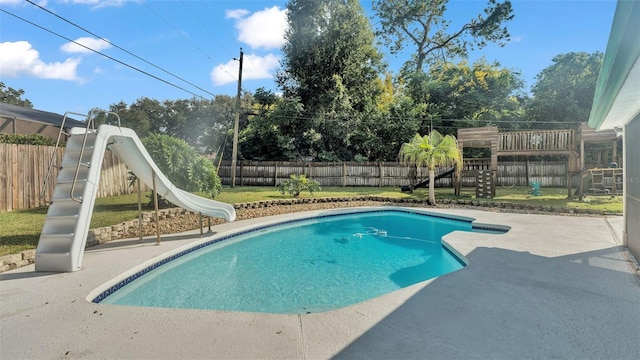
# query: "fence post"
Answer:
x=275 y=173
x=344 y=174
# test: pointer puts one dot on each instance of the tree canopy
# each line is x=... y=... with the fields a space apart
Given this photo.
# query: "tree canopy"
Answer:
x=338 y=101
x=9 y=95
x=330 y=63
x=469 y=95
x=422 y=25
x=563 y=92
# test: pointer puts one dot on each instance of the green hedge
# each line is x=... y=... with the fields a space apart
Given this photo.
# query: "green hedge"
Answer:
x=31 y=139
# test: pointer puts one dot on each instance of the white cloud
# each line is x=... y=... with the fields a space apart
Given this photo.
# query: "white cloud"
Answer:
x=254 y=67
x=236 y=13
x=96 y=4
x=10 y=2
x=92 y=43
x=20 y=58
x=262 y=29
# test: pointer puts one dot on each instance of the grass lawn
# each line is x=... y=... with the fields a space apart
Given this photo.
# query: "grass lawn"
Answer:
x=20 y=230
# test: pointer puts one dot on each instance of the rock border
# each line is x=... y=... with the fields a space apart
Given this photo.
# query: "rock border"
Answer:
x=123 y=230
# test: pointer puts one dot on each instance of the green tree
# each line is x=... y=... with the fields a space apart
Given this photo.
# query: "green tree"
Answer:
x=398 y=117
x=9 y=95
x=421 y=23
x=274 y=131
x=217 y=125
x=208 y=124
x=152 y=112
x=180 y=121
x=131 y=118
x=331 y=64
x=180 y=163
x=563 y=92
x=432 y=150
x=463 y=95
x=204 y=124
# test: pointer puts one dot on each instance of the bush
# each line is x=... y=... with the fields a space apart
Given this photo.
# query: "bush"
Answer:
x=297 y=184
x=31 y=139
x=181 y=164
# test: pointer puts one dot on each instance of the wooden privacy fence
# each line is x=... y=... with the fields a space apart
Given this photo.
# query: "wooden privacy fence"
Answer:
x=272 y=173
x=380 y=174
x=24 y=167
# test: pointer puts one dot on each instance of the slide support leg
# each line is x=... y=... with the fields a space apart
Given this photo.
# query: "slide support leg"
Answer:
x=155 y=205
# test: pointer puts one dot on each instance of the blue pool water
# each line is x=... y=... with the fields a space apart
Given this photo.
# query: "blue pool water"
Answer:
x=301 y=267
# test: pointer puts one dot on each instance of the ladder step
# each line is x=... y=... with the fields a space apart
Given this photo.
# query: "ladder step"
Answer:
x=84 y=180
x=59 y=226
x=65 y=197
x=63 y=207
x=67 y=174
x=55 y=243
x=71 y=217
x=58 y=236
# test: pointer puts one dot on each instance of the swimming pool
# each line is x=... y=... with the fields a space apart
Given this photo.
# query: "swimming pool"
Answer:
x=302 y=266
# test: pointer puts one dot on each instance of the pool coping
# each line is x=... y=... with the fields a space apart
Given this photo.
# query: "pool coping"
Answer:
x=110 y=287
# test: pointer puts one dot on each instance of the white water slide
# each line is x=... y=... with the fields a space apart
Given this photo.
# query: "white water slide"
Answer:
x=64 y=235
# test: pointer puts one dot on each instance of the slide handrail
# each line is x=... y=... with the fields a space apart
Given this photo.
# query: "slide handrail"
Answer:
x=90 y=128
x=54 y=153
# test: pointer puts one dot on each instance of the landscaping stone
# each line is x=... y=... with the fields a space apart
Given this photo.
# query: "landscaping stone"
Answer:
x=175 y=220
x=10 y=259
x=29 y=254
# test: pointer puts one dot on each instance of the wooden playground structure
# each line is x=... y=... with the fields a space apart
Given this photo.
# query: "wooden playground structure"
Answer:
x=569 y=143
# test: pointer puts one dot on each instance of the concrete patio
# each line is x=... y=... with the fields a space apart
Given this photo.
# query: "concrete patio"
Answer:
x=552 y=287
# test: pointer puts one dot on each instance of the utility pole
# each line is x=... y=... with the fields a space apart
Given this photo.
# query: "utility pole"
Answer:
x=234 y=155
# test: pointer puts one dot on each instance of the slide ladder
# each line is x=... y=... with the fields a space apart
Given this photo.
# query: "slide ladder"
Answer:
x=64 y=234
x=66 y=225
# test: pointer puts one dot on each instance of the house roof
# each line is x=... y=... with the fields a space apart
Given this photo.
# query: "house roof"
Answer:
x=617 y=96
x=39 y=116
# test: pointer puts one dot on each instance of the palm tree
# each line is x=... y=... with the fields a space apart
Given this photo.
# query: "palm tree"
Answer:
x=432 y=150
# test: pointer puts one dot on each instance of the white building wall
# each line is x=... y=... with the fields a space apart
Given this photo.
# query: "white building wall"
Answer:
x=632 y=186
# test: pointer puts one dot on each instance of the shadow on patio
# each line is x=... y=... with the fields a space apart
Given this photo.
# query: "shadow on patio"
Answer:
x=509 y=304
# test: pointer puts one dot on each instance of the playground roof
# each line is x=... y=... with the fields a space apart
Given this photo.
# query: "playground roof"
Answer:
x=615 y=102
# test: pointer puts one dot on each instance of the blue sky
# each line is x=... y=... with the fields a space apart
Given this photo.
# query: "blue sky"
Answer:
x=197 y=41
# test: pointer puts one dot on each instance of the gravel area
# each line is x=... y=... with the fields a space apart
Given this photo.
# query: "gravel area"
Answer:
x=191 y=221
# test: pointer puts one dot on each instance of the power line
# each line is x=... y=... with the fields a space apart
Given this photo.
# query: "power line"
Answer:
x=184 y=37
x=206 y=4
x=105 y=55
x=328 y=117
x=213 y=36
x=118 y=47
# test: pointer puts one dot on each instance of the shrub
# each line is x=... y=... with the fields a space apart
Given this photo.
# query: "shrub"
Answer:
x=181 y=164
x=31 y=139
x=297 y=184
